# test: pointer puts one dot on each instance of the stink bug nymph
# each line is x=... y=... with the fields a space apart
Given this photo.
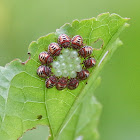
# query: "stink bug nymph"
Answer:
x=64 y=40
x=73 y=83
x=67 y=67
x=61 y=84
x=86 y=51
x=50 y=82
x=90 y=62
x=43 y=71
x=45 y=58
x=83 y=74
x=77 y=42
x=54 y=49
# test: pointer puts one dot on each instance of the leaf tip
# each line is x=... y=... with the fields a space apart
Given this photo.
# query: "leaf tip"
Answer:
x=119 y=42
x=127 y=25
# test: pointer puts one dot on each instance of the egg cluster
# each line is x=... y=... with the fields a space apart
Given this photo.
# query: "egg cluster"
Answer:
x=63 y=65
x=67 y=64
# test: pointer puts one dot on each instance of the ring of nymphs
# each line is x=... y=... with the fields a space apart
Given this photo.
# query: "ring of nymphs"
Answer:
x=63 y=65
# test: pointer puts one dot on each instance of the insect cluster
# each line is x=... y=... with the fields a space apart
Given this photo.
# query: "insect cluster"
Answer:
x=66 y=62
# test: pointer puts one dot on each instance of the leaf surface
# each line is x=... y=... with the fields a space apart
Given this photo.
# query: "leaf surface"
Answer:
x=83 y=122
x=23 y=95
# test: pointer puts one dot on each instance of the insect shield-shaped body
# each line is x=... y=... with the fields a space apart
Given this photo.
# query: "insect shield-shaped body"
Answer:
x=64 y=40
x=86 y=51
x=90 y=62
x=45 y=58
x=73 y=83
x=61 y=84
x=77 y=42
x=82 y=75
x=54 y=49
x=43 y=71
x=50 y=82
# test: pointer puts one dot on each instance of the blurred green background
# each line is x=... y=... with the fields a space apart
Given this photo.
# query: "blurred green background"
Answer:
x=24 y=21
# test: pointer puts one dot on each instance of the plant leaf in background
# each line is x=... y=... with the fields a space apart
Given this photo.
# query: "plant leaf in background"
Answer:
x=83 y=123
x=70 y=114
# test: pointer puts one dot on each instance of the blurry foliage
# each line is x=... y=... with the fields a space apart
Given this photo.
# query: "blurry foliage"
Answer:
x=24 y=21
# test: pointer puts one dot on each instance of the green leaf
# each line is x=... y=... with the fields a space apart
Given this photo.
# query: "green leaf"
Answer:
x=23 y=95
x=83 y=122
